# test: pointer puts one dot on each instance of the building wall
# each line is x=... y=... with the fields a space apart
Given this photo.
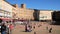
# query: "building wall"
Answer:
x=14 y=13
x=45 y=15
x=0 y=4
x=1 y=11
x=56 y=16
x=30 y=14
x=8 y=11
x=5 y=9
x=36 y=14
x=26 y=14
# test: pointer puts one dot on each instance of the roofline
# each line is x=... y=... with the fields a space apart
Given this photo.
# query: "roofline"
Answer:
x=48 y=10
x=33 y=9
x=9 y=3
x=43 y=9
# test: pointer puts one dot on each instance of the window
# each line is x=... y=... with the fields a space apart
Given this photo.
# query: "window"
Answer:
x=45 y=16
x=5 y=12
x=8 y=13
x=1 y=11
x=42 y=17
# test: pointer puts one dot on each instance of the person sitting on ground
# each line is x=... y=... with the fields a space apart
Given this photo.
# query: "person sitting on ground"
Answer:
x=39 y=25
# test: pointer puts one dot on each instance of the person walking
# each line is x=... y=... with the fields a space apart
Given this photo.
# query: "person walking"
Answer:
x=50 y=30
x=47 y=28
x=3 y=28
x=34 y=32
x=25 y=27
x=11 y=28
x=34 y=27
x=0 y=24
x=7 y=28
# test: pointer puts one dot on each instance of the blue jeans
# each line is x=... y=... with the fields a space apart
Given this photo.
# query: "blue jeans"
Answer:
x=4 y=32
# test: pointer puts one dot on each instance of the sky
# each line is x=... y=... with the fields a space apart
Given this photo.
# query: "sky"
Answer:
x=38 y=4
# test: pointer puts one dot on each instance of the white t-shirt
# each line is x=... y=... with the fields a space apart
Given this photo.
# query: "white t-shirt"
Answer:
x=0 y=26
x=8 y=26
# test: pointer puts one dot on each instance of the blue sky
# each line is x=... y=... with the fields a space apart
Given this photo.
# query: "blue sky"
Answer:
x=38 y=4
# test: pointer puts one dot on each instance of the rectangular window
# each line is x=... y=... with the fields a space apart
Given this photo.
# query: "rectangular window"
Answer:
x=1 y=11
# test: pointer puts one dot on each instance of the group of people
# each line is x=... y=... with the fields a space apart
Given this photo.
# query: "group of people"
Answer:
x=28 y=27
x=6 y=28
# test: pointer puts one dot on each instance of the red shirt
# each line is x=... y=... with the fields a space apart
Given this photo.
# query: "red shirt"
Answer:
x=11 y=26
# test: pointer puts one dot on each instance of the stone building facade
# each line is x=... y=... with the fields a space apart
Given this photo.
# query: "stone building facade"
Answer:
x=5 y=10
x=45 y=15
x=9 y=11
x=35 y=14
x=26 y=14
x=15 y=12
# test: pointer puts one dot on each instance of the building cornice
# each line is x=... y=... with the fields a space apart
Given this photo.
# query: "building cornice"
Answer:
x=9 y=3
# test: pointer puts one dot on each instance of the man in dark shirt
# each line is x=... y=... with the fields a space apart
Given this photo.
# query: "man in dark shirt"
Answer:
x=3 y=28
x=0 y=24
